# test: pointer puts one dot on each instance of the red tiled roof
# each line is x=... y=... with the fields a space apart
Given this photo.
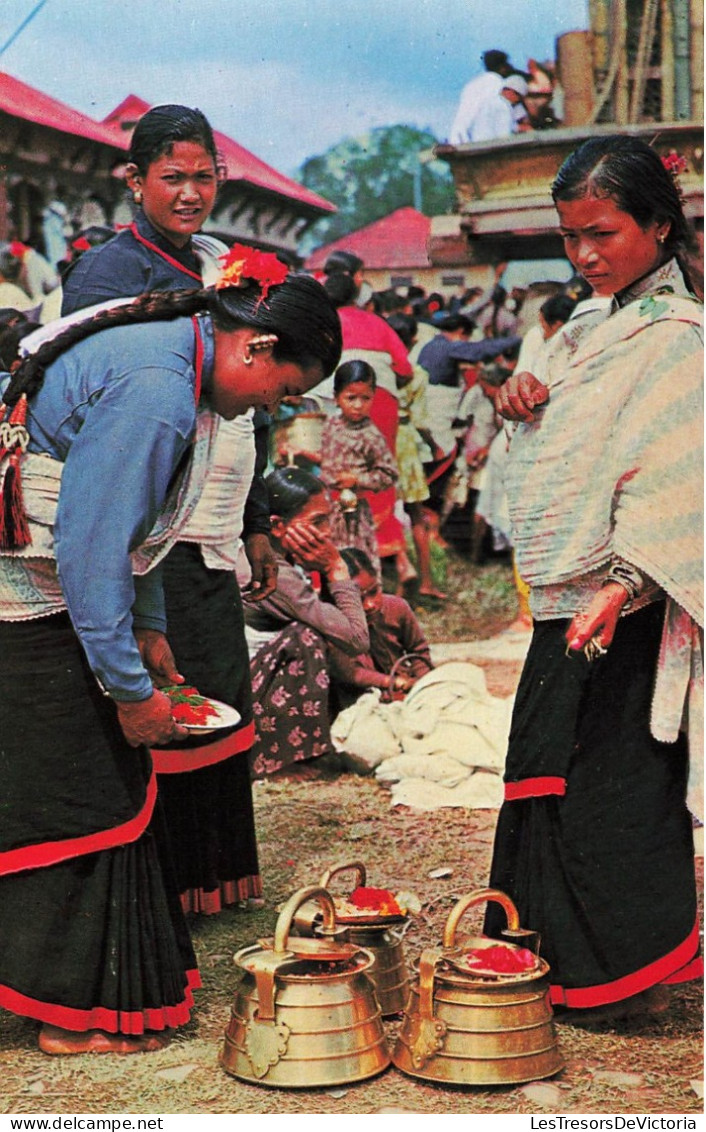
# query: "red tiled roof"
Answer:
x=395 y=241
x=242 y=165
x=23 y=101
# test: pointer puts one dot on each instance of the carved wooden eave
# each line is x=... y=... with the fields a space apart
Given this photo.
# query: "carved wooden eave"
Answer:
x=272 y=222
x=47 y=149
x=31 y=150
x=504 y=207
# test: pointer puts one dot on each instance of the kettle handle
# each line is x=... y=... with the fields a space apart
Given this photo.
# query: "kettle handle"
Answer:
x=286 y=916
x=359 y=867
x=481 y=896
x=428 y=961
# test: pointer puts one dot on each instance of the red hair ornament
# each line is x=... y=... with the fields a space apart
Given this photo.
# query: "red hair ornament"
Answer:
x=242 y=263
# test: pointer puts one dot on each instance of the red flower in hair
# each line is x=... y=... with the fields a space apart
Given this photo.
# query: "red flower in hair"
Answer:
x=18 y=249
x=242 y=263
x=674 y=163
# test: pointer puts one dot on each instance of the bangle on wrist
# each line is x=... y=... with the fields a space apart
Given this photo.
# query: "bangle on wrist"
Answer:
x=626 y=576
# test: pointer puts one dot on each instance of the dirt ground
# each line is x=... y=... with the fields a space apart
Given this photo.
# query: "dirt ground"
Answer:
x=307 y=822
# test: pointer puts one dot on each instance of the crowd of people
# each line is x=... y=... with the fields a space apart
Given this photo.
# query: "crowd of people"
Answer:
x=163 y=523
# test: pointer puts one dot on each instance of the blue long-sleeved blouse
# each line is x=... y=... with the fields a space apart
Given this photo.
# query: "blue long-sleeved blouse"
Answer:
x=439 y=357
x=145 y=260
x=118 y=409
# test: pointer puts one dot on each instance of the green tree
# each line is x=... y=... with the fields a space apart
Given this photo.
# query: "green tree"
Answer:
x=373 y=175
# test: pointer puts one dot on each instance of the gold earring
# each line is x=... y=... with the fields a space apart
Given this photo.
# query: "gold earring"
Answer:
x=262 y=342
x=247 y=357
x=137 y=196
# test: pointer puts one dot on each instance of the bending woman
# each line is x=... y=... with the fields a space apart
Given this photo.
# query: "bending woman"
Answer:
x=594 y=840
x=315 y=605
x=173 y=171
x=120 y=414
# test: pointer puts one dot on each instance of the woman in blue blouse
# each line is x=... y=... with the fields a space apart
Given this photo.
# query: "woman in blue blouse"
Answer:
x=204 y=782
x=121 y=415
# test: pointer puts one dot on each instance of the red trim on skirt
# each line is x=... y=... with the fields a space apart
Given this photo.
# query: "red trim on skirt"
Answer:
x=176 y=760
x=102 y=1018
x=198 y=900
x=53 y=852
x=535 y=787
x=693 y=970
x=670 y=968
x=443 y=465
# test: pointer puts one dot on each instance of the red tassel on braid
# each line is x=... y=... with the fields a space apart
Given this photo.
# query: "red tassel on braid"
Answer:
x=14 y=438
x=14 y=526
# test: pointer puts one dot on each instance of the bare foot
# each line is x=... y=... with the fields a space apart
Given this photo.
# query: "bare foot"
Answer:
x=406 y=572
x=657 y=1000
x=649 y=1004
x=54 y=1040
x=251 y=903
x=431 y=591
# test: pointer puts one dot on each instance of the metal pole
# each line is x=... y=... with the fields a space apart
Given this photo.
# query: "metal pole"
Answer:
x=22 y=26
x=697 y=60
x=682 y=63
x=667 y=62
x=417 y=179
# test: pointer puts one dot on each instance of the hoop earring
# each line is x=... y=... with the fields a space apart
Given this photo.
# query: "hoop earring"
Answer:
x=247 y=357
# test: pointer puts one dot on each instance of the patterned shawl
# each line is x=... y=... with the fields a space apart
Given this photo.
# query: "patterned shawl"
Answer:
x=612 y=465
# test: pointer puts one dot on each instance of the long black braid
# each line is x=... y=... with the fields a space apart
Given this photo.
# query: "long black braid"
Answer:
x=298 y=311
x=28 y=374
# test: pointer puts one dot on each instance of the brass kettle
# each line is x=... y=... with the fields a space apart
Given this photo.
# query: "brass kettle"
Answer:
x=378 y=934
x=305 y=1013
x=466 y=1025
x=389 y=971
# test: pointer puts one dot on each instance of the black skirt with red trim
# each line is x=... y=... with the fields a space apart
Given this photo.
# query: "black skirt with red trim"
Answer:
x=204 y=782
x=596 y=848
x=92 y=934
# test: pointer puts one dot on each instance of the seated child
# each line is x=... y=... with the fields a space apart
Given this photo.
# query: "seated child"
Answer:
x=395 y=634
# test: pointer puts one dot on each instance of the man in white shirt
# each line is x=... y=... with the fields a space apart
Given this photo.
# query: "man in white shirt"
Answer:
x=488 y=108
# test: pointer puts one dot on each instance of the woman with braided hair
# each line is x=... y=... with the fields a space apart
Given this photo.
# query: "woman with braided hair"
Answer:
x=173 y=172
x=121 y=413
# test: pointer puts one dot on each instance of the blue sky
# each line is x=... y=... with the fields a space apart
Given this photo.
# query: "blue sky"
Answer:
x=286 y=78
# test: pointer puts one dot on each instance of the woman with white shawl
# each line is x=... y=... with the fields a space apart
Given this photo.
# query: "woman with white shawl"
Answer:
x=594 y=839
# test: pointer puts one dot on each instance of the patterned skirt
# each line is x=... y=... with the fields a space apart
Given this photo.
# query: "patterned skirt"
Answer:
x=290 y=683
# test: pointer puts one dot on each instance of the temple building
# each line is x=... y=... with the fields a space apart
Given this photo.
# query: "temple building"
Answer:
x=61 y=171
